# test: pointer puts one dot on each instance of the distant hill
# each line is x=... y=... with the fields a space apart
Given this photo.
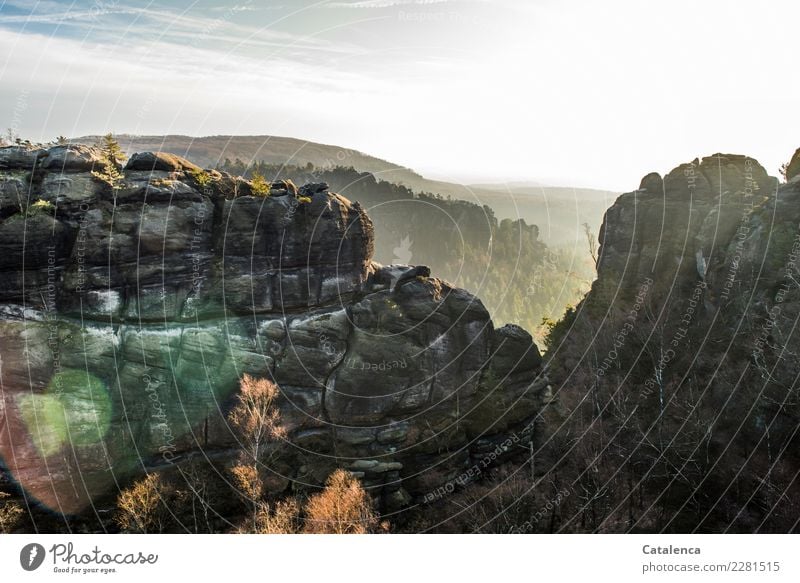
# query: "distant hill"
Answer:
x=211 y=151
x=558 y=211
x=504 y=185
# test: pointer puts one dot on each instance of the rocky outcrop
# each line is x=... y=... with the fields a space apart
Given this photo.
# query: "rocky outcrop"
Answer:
x=685 y=352
x=793 y=168
x=674 y=225
x=128 y=314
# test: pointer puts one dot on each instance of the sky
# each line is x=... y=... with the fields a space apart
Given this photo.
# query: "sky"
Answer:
x=575 y=93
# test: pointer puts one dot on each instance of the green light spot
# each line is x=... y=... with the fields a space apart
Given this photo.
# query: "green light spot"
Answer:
x=75 y=408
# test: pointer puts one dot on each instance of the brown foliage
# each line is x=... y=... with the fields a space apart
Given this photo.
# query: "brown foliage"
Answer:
x=282 y=518
x=256 y=421
x=343 y=507
x=248 y=481
x=139 y=506
x=254 y=417
x=10 y=513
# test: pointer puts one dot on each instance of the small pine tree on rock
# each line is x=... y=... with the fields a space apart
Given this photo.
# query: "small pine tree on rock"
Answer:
x=112 y=157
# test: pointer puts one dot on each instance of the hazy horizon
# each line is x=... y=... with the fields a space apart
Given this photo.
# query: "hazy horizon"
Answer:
x=501 y=91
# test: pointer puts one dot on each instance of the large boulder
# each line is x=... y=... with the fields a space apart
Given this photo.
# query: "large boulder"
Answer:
x=19 y=157
x=72 y=158
x=128 y=318
x=160 y=162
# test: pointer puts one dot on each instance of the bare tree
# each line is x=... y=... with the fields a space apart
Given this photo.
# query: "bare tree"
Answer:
x=282 y=518
x=343 y=507
x=10 y=513
x=255 y=418
x=139 y=507
x=247 y=481
x=10 y=138
x=256 y=421
x=591 y=240
x=198 y=495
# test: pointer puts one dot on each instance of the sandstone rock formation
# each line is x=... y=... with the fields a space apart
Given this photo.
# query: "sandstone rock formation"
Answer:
x=793 y=168
x=694 y=211
x=128 y=315
x=681 y=365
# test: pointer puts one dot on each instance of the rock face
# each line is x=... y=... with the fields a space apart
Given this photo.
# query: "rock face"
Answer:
x=793 y=168
x=129 y=314
x=674 y=224
x=687 y=345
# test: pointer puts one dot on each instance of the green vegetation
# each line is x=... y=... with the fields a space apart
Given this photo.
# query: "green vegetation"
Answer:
x=112 y=150
x=112 y=159
x=201 y=177
x=554 y=331
x=259 y=185
x=40 y=207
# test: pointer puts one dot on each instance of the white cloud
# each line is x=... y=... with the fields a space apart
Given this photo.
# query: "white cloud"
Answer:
x=81 y=17
x=102 y=24
x=567 y=92
x=385 y=3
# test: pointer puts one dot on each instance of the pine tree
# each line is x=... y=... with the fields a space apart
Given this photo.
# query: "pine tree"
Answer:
x=112 y=158
x=112 y=150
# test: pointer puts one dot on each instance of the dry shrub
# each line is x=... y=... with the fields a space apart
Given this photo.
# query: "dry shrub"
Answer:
x=282 y=518
x=200 y=494
x=254 y=417
x=343 y=507
x=139 y=507
x=506 y=502
x=247 y=481
x=10 y=513
x=256 y=421
x=506 y=499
